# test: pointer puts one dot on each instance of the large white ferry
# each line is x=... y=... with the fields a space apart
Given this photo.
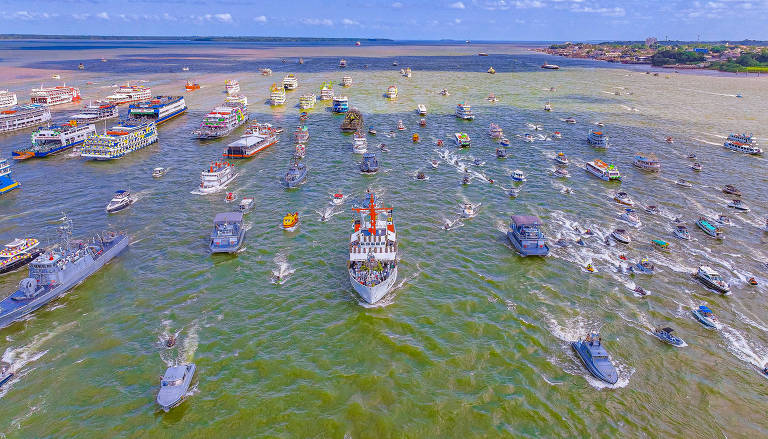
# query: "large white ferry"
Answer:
x=326 y=92
x=276 y=95
x=23 y=116
x=240 y=99
x=94 y=112
x=119 y=141
x=603 y=171
x=307 y=101
x=745 y=143
x=130 y=93
x=216 y=177
x=60 y=94
x=50 y=140
x=232 y=86
x=290 y=82
x=222 y=120
x=373 y=251
x=7 y=99
x=158 y=110
x=464 y=111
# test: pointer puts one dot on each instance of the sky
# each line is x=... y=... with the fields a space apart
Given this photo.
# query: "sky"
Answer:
x=504 y=20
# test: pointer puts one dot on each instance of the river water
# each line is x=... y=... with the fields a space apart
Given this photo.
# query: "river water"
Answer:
x=474 y=342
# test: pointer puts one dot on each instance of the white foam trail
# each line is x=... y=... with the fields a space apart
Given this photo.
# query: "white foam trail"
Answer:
x=283 y=271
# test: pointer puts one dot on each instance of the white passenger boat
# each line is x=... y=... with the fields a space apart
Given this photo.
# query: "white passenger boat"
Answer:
x=216 y=177
x=603 y=171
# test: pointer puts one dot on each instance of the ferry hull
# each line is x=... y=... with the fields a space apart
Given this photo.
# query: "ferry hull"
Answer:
x=373 y=294
x=248 y=155
x=7 y=184
x=7 y=318
x=529 y=248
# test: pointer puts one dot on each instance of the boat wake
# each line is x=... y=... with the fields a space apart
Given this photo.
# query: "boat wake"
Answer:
x=186 y=347
x=327 y=213
x=390 y=297
x=738 y=345
x=283 y=271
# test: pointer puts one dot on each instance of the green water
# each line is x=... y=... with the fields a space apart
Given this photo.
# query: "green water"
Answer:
x=474 y=342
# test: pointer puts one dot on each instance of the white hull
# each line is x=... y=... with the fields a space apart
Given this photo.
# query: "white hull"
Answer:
x=374 y=294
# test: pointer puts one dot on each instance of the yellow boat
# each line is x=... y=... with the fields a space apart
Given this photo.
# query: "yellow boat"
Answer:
x=290 y=221
x=415 y=137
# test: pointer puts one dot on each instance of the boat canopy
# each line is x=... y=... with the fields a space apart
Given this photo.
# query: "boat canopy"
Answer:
x=526 y=220
x=667 y=330
x=704 y=308
x=228 y=217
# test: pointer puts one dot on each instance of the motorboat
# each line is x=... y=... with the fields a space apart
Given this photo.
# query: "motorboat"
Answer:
x=528 y=137
x=665 y=335
x=5 y=373
x=230 y=197
x=434 y=163
x=501 y=153
x=159 y=172
x=623 y=198
x=724 y=220
x=360 y=143
x=518 y=175
x=422 y=122
x=291 y=221
x=421 y=109
x=400 y=126
x=478 y=162
x=439 y=142
x=706 y=317
x=228 y=233
x=557 y=135
x=669 y=139
x=300 y=151
x=712 y=280
x=504 y=142
x=652 y=209
x=513 y=192
x=644 y=267
x=246 y=205
x=709 y=229
x=371 y=131
x=369 y=165
x=525 y=234
x=415 y=137
x=595 y=358
x=444 y=92
x=570 y=120
x=561 y=158
x=547 y=107
x=495 y=131
x=491 y=70
x=466 y=179
x=630 y=217
x=692 y=156
x=120 y=201
x=683 y=183
x=738 y=205
x=561 y=173
x=647 y=162
x=469 y=210
x=174 y=385
x=621 y=235
x=492 y=98
x=337 y=198
x=660 y=244
x=589 y=267
x=421 y=176
x=731 y=190
x=640 y=292
x=696 y=166
x=682 y=232
x=462 y=140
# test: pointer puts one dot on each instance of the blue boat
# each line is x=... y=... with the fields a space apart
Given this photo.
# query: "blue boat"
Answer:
x=296 y=174
x=665 y=335
x=59 y=270
x=51 y=140
x=504 y=142
x=595 y=358
x=369 y=165
x=597 y=139
x=7 y=183
x=525 y=234
x=706 y=317
x=228 y=232
x=644 y=267
x=5 y=373
x=340 y=104
x=158 y=110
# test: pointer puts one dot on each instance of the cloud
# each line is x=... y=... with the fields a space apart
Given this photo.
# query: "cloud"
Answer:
x=224 y=18
x=317 y=21
x=457 y=5
x=457 y=20
x=526 y=4
x=348 y=22
x=492 y=5
x=27 y=15
x=608 y=12
x=260 y=19
x=397 y=5
x=102 y=15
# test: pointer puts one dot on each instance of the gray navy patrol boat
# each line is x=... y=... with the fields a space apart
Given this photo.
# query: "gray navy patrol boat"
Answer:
x=595 y=358
x=174 y=385
x=58 y=270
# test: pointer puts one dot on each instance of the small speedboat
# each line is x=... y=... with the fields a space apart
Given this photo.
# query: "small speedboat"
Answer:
x=528 y=137
x=683 y=183
x=561 y=158
x=504 y=142
x=706 y=317
x=469 y=210
x=5 y=373
x=692 y=156
x=682 y=232
x=415 y=137
x=621 y=236
x=422 y=122
x=478 y=162
x=337 y=199
x=724 y=220
x=174 y=385
x=652 y=209
x=371 y=131
x=665 y=335
x=231 y=196
x=301 y=151
x=400 y=126
x=595 y=358
x=570 y=120
x=421 y=176
x=467 y=179
x=557 y=135
x=159 y=172
x=434 y=163
x=513 y=192
x=660 y=244
x=518 y=175
x=669 y=139
x=712 y=280
x=590 y=268
x=439 y=142
x=501 y=153
x=696 y=166
x=738 y=205
x=120 y=201
x=291 y=221
x=644 y=267
x=752 y=281
x=246 y=205
x=623 y=198
x=731 y=190
x=561 y=173
x=630 y=217
x=640 y=291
